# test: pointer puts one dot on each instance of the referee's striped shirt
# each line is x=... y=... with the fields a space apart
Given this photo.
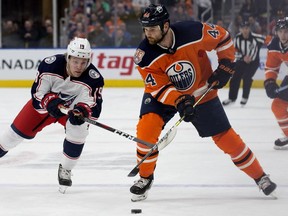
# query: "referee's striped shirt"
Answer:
x=250 y=46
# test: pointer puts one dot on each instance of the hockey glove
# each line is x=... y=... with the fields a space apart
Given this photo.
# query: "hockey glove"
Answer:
x=51 y=102
x=80 y=111
x=184 y=105
x=271 y=86
x=222 y=74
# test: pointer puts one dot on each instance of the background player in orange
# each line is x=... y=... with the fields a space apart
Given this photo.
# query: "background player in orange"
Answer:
x=277 y=54
x=68 y=80
x=173 y=63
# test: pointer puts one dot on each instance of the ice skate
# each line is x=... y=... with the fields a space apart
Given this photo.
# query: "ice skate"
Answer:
x=243 y=102
x=64 y=179
x=140 y=188
x=2 y=152
x=281 y=144
x=267 y=186
x=228 y=102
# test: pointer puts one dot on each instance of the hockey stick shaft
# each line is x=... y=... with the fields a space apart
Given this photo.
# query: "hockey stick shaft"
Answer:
x=113 y=130
x=172 y=130
x=119 y=132
x=162 y=144
x=281 y=89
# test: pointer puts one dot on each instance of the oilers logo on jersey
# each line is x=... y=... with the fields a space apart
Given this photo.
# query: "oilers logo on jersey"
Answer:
x=181 y=74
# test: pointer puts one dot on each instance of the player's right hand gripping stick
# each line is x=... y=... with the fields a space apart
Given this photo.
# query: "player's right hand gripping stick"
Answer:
x=271 y=86
x=184 y=105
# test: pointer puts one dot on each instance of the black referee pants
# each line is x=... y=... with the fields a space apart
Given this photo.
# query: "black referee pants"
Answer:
x=245 y=72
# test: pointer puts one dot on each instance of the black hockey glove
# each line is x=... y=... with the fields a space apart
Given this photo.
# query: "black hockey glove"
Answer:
x=184 y=105
x=51 y=102
x=271 y=88
x=80 y=111
x=222 y=74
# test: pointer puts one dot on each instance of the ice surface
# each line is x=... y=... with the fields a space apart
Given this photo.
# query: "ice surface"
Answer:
x=193 y=177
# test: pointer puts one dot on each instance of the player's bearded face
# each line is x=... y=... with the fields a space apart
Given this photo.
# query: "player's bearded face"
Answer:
x=283 y=36
x=76 y=66
x=153 y=34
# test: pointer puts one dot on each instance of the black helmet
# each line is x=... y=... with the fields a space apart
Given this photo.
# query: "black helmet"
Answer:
x=245 y=24
x=154 y=15
x=282 y=24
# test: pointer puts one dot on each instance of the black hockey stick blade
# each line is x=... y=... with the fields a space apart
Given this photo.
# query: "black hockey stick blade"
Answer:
x=135 y=170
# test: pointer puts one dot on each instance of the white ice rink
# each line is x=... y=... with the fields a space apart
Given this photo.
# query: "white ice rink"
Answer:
x=193 y=177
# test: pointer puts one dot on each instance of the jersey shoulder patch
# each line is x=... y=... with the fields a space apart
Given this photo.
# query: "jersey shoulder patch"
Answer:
x=92 y=77
x=94 y=74
x=138 y=56
x=141 y=57
x=50 y=59
x=53 y=64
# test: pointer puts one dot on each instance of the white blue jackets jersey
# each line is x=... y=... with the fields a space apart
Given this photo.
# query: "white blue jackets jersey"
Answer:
x=52 y=77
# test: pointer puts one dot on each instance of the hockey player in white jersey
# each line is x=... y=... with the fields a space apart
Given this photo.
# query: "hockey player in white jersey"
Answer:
x=67 y=80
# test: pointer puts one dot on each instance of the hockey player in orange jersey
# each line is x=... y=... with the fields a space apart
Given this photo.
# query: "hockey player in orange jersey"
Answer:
x=173 y=63
x=277 y=54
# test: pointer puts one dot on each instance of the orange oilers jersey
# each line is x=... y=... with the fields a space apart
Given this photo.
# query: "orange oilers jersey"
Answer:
x=276 y=54
x=184 y=68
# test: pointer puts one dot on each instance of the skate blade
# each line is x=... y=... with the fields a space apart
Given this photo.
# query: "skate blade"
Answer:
x=273 y=195
x=281 y=147
x=137 y=198
x=62 y=189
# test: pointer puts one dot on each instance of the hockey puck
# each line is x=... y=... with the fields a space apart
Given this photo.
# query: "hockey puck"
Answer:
x=136 y=211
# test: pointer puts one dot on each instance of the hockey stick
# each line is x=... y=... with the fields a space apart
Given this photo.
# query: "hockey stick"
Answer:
x=281 y=89
x=161 y=144
x=169 y=136
x=113 y=130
